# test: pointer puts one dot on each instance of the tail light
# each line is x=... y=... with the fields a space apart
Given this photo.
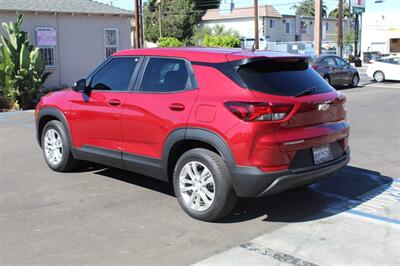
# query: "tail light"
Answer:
x=315 y=67
x=259 y=111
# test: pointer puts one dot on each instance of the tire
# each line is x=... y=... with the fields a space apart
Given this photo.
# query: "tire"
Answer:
x=216 y=181
x=56 y=147
x=354 y=81
x=379 y=76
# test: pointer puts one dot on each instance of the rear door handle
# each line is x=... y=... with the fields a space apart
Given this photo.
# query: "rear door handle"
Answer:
x=114 y=102
x=177 y=107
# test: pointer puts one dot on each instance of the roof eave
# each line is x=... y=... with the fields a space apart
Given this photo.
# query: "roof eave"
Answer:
x=66 y=12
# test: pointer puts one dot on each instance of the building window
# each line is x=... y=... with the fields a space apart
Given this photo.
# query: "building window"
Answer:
x=48 y=56
x=288 y=27
x=327 y=26
x=46 y=40
x=303 y=27
x=272 y=24
x=110 y=41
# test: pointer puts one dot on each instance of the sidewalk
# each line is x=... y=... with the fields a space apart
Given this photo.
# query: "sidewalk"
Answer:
x=367 y=233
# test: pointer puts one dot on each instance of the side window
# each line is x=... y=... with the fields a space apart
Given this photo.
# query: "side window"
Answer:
x=393 y=60
x=340 y=62
x=330 y=61
x=115 y=75
x=166 y=75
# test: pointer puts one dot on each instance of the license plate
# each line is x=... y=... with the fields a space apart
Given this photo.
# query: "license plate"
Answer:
x=322 y=154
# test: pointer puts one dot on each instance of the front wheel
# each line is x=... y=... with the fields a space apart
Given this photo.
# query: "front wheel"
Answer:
x=203 y=185
x=379 y=76
x=57 y=148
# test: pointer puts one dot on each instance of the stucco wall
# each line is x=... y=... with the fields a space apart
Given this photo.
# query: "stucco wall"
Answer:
x=245 y=27
x=377 y=30
x=80 y=41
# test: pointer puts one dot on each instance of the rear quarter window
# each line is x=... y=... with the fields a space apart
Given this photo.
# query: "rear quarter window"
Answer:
x=284 y=77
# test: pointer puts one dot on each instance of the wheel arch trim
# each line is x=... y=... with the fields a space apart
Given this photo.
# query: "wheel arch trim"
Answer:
x=198 y=134
x=57 y=113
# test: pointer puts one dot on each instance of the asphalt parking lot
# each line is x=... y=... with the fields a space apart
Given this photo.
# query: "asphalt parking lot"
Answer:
x=104 y=216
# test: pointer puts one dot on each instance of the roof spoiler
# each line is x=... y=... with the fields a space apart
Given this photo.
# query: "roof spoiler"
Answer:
x=238 y=63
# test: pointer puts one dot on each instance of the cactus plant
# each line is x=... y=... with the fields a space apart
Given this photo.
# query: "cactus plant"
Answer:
x=21 y=67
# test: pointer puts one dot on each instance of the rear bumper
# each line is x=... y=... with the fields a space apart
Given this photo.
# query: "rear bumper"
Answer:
x=252 y=182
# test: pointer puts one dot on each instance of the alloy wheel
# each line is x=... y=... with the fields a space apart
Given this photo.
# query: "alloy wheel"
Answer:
x=53 y=147
x=379 y=77
x=197 y=186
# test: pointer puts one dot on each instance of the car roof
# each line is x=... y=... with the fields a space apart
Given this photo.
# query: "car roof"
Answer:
x=326 y=55
x=211 y=55
x=390 y=56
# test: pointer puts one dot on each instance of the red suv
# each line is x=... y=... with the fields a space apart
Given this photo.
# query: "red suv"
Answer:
x=217 y=123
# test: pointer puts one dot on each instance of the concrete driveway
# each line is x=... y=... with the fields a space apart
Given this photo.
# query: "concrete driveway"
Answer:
x=105 y=216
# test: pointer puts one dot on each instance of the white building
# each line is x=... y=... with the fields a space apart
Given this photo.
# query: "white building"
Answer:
x=242 y=20
x=381 y=32
x=74 y=36
x=273 y=27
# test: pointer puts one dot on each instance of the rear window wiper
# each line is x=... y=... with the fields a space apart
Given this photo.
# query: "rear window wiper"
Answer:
x=307 y=91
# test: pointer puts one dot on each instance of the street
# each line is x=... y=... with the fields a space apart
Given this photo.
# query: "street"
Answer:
x=106 y=216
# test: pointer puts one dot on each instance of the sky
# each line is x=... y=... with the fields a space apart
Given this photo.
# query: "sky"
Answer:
x=283 y=6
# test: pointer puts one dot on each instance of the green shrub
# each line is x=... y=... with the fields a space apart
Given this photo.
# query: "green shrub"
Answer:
x=200 y=31
x=169 y=42
x=21 y=68
x=221 y=41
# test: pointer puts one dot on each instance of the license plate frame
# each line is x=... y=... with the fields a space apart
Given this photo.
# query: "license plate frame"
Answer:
x=322 y=154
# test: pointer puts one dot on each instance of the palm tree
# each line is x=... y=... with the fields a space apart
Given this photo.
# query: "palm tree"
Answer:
x=346 y=11
x=306 y=8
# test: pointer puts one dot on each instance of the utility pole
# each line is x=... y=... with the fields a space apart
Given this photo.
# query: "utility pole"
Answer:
x=340 y=28
x=317 y=26
x=159 y=17
x=256 y=38
x=357 y=26
x=138 y=24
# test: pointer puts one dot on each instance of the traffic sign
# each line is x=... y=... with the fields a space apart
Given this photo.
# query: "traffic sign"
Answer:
x=358 y=6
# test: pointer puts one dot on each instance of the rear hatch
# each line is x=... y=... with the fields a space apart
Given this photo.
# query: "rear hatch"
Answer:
x=318 y=113
x=291 y=80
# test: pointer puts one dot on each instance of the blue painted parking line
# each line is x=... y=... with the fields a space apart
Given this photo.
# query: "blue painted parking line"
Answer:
x=9 y=119
x=18 y=124
x=368 y=204
x=375 y=217
x=12 y=113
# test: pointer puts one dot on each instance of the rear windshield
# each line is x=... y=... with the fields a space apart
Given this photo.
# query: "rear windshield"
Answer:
x=285 y=77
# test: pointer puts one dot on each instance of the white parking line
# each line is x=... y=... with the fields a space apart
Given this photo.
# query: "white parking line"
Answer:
x=364 y=230
x=380 y=205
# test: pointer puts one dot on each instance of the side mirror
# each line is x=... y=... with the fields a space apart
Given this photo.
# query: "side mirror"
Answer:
x=80 y=86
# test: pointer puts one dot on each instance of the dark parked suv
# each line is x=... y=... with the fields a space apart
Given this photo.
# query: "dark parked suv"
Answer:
x=216 y=123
